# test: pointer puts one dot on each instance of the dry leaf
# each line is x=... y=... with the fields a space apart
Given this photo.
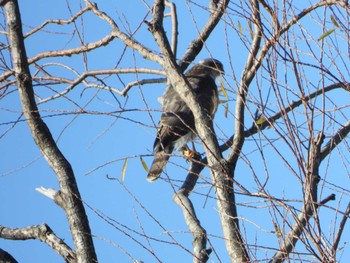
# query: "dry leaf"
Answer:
x=124 y=169
x=144 y=165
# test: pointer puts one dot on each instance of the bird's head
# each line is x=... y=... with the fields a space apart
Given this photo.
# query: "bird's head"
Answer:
x=213 y=66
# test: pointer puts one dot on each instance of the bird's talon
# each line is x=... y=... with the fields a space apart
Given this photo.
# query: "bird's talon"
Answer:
x=190 y=153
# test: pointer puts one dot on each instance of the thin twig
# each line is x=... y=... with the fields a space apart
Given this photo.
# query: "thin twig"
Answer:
x=340 y=231
x=174 y=26
x=58 y=21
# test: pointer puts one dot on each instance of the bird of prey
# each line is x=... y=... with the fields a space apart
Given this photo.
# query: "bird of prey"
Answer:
x=177 y=126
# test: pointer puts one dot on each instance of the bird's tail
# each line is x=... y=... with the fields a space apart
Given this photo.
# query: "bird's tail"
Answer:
x=157 y=167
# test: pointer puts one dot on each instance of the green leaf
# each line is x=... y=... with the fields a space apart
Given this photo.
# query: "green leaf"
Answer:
x=124 y=169
x=335 y=23
x=251 y=31
x=260 y=121
x=326 y=34
x=144 y=165
x=240 y=29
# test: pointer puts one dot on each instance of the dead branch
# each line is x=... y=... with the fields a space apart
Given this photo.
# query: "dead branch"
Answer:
x=42 y=233
x=181 y=198
x=129 y=41
x=197 y=44
x=81 y=78
x=140 y=82
x=58 y=21
x=66 y=52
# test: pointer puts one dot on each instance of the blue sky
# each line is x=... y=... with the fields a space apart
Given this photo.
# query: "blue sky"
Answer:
x=98 y=142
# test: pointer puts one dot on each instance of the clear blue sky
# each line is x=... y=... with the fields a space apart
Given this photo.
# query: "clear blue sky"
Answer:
x=122 y=213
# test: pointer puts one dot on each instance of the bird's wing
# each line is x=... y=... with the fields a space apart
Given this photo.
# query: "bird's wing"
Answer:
x=206 y=92
x=176 y=121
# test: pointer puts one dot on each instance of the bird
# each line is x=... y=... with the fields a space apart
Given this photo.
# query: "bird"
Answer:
x=177 y=125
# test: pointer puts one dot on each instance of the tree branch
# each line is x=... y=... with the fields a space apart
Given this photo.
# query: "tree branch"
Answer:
x=238 y=138
x=204 y=127
x=255 y=61
x=174 y=24
x=197 y=44
x=296 y=231
x=129 y=41
x=81 y=78
x=42 y=136
x=310 y=202
x=43 y=233
x=58 y=21
x=335 y=140
x=66 y=52
x=181 y=198
x=340 y=231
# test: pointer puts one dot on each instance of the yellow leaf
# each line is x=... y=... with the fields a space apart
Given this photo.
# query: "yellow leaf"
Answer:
x=124 y=169
x=144 y=165
x=260 y=121
x=223 y=90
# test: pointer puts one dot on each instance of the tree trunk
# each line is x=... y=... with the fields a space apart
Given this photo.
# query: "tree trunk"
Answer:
x=69 y=193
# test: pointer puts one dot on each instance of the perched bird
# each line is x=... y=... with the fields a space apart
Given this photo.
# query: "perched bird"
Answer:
x=177 y=126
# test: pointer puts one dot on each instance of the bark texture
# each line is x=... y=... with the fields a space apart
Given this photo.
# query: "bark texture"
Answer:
x=72 y=205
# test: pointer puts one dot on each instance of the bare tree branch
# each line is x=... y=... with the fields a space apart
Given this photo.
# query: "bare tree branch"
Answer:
x=174 y=24
x=335 y=140
x=238 y=139
x=310 y=202
x=66 y=52
x=123 y=92
x=73 y=207
x=196 y=45
x=181 y=198
x=129 y=41
x=58 y=21
x=340 y=231
x=43 y=233
x=301 y=221
x=220 y=170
